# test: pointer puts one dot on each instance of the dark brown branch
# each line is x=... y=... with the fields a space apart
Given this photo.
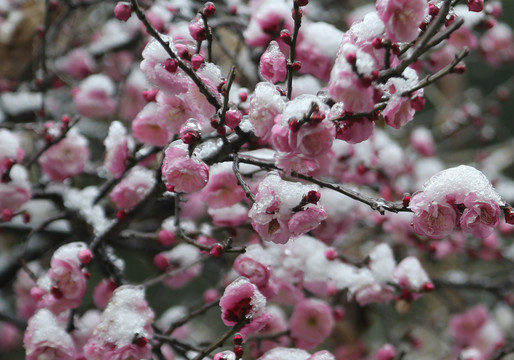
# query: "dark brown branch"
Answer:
x=379 y=205
x=240 y=180
x=297 y=17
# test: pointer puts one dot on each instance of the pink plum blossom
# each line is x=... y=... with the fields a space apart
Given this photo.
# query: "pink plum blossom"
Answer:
x=435 y=220
x=311 y=323
x=16 y=192
x=255 y=271
x=456 y=195
x=466 y=326
x=272 y=213
x=78 y=63
x=94 y=97
x=153 y=66
x=317 y=57
x=231 y=216
x=102 y=292
x=67 y=279
x=133 y=188
x=497 y=45
x=126 y=319
x=307 y=220
x=150 y=128
x=273 y=64
x=265 y=104
x=118 y=147
x=182 y=172
x=10 y=336
x=268 y=18
x=67 y=158
x=222 y=189
x=422 y=141
x=353 y=130
x=241 y=300
x=402 y=18
x=398 y=112
x=480 y=217
x=46 y=338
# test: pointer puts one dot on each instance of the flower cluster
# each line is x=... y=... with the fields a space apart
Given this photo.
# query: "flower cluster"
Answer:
x=460 y=196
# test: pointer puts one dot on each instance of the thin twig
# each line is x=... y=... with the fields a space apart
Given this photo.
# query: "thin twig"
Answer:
x=221 y=340
x=297 y=23
x=240 y=180
x=191 y=315
x=444 y=71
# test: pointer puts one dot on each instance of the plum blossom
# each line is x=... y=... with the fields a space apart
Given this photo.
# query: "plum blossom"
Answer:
x=317 y=57
x=222 y=189
x=273 y=64
x=16 y=192
x=94 y=96
x=182 y=172
x=265 y=104
x=402 y=18
x=153 y=66
x=241 y=300
x=268 y=18
x=274 y=215
x=46 y=338
x=354 y=130
x=311 y=323
x=150 y=127
x=67 y=281
x=78 y=63
x=67 y=158
x=346 y=79
x=118 y=147
x=125 y=321
x=460 y=195
x=133 y=188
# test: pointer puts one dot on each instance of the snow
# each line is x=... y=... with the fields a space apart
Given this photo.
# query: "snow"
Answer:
x=382 y=263
x=462 y=179
x=20 y=102
x=46 y=329
x=126 y=314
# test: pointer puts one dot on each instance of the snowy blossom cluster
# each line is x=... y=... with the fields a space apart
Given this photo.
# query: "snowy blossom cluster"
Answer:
x=255 y=180
x=460 y=196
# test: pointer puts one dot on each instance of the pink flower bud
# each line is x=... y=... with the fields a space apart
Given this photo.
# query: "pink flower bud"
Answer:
x=386 y=352
x=197 y=29
x=85 y=256
x=7 y=215
x=165 y=237
x=217 y=250
x=209 y=9
x=171 y=65
x=233 y=118
x=161 y=261
x=476 y=5
x=197 y=61
x=123 y=10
